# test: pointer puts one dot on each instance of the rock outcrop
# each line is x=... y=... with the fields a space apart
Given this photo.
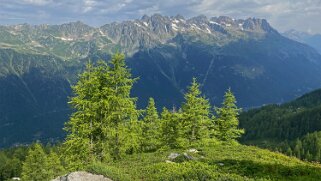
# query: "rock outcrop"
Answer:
x=81 y=176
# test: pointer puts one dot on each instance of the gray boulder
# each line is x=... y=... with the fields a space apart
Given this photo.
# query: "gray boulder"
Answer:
x=81 y=176
x=172 y=156
x=179 y=158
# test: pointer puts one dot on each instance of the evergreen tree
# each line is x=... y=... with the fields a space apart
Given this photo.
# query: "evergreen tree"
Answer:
x=132 y=137
x=298 y=148
x=9 y=167
x=308 y=156
x=121 y=113
x=317 y=155
x=55 y=167
x=195 y=114
x=171 y=129
x=84 y=122
x=227 y=119
x=105 y=122
x=151 y=128
x=289 y=151
x=35 y=166
x=4 y=175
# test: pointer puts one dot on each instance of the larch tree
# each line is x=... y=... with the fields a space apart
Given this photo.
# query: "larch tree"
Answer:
x=35 y=167
x=121 y=114
x=227 y=119
x=55 y=167
x=171 y=129
x=196 y=116
x=104 y=124
x=151 y=128
x=83 y=127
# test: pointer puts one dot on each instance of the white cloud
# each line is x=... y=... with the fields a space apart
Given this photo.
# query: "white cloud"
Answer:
x=37 y=2
x=88 y=5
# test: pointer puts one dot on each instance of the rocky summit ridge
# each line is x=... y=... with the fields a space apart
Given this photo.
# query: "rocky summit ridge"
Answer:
x=75 y=40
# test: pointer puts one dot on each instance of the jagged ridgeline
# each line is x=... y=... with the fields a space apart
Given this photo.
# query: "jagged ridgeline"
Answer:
x=40 y=63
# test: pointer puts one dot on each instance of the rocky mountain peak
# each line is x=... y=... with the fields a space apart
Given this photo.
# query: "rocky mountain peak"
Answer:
x=145 y=17
x=75 y=28
x=198 y=19
x=158 y=18
x=224 y=19
x=178 y=16
x=256 y=24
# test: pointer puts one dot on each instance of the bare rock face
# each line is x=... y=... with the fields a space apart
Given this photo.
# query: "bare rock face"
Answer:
x=81 y=176
x=178 y=158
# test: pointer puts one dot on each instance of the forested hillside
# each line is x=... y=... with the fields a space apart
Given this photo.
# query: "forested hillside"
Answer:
x=292 y=128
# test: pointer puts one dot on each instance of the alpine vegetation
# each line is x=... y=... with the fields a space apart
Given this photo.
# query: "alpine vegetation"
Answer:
x=108 y=135
x=106 y=125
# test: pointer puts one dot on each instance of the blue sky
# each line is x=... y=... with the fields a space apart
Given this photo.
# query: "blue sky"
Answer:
x=302 y=15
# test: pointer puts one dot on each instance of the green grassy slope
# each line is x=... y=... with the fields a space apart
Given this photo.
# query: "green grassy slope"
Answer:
x=219 y=162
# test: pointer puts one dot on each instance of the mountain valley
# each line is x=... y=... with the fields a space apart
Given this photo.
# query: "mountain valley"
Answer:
x=40 y=63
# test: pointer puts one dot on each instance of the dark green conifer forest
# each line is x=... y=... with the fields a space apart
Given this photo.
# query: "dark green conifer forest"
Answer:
x=291 y=128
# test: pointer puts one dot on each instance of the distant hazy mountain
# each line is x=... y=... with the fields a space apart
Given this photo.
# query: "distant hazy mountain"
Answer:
x=313 y=40
x=38 y=64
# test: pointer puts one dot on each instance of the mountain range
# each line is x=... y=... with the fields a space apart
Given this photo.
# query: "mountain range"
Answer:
x=313 y=40
x=40 y=63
